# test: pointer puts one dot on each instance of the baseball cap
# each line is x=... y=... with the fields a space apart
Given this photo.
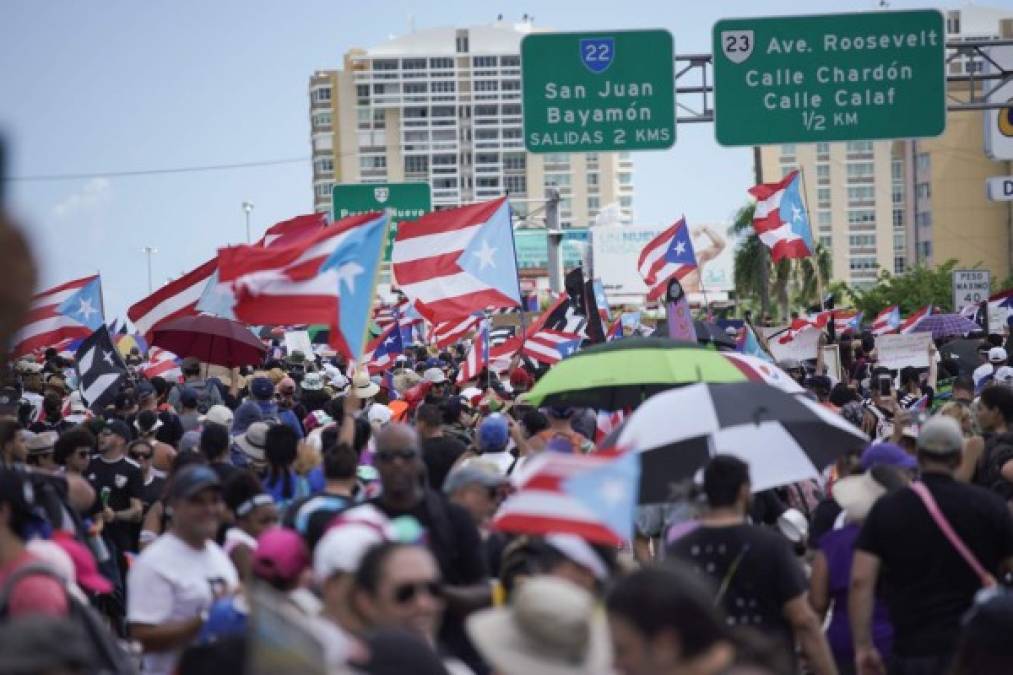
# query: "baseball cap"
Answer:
x=188 y=397
x=996 y=355
x=191 y=479
x=379 y=414
x=473 y=473
x=219 y=414
x=85 y=569
x=941 y=435
x=886 y=453
x=281 y=555
x=262 y=388
x=493 y=433
x=120 y=428
x=434 y=375
x=352 y=533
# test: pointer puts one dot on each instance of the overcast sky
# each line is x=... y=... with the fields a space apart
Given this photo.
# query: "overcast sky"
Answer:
x=102 y=87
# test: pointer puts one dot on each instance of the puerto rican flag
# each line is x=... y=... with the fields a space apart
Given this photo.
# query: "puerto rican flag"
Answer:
x=615 y=331
x=327 y=278
x=606 y=422
x=478 y=356
x=592 y=496
x=550 y=346
x=886 y=321
x=847 y=321
x=781 y=220
x=454 y=262
x=910 y=323
x=668 y=255
x=382 y=349
x=293 y=231
x=176 y=299
x=447 y=333
x=162 y=363
x=71 y=310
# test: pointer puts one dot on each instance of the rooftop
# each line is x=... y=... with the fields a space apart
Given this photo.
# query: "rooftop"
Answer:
x=501 y=37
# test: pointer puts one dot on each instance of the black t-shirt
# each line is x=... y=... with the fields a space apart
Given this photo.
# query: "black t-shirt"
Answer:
x=824 y=516
x=152 y=491
x=124 y=480
x=927 y=585
x=758 y=567
x=439 y=454
x=311 y=516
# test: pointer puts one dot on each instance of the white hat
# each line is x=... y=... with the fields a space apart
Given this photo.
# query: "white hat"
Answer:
x=254 y=441
x=579 y=552
x=434 y=375
x=552 y=628
x=312 y=382
x=996 y=355
x=363 y=387
x=793 y=525
x=353 y=532
x=379 y=414
x=219 y=414
x=857 y=494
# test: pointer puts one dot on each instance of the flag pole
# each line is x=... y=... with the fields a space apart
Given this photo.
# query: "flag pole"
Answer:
x=372 y=290
x=520 y=294
x=816 y=258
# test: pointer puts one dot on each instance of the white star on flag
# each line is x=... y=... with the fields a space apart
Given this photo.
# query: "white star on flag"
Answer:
x=347 y=273
x=796 y=213
x=680 y=248
x=485 y=255
x=86 y=310
x=613 y=492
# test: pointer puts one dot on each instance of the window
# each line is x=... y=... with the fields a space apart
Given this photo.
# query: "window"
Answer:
x=486 y=134
x=862 y=263
x=415 y=87
x=462 y=42
x=323 y=189
x=362 y=90
x=413 y=64
x=444 y=87
x=373 y=162
x=898 y=241
x=861 y=217
x=487 y=182
x=486 y=85
x=444 y=183
x=788 y=168
x=865 y=194
x=385 y=64
x=861 y=170
x=444 y=135
x=788 y=152
x=924 y=250
x=897 y=194
x=443 y=111
x=511 y=85
x=626 y=179
x=320 y=95
x=515 y=184
x=324 y=165
x=923 y=163
x=626 y=202
x=897 y=169
x=859 y=147
x=416 y=164
x=510 y=61
x=898 y=218
x=511 y=133
x=862 y=240
x=923 y=190
x=898 y=265
x=514 y=162
x=442 y=62
x=593 y=203
x=557 y=180
x=444 y=160
x=322 y=119
x=592 y=179
x=822 y=150
x=923 y=219
x=826 y=241
x=953 y=22
x=823 y=198
x=415 y=112
x=487 y=158
x=823 y=173
x=484 y=61
x=824 y=218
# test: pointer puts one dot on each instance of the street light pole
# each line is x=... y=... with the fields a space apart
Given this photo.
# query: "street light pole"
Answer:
x=149 y=250
x=247 y=208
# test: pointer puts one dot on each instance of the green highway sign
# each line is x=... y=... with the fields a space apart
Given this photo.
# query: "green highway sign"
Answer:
x=835 y=77
x=406 y=201
x=592 y=92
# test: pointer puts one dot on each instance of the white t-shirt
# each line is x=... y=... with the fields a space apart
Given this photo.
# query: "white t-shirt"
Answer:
x=170 y=581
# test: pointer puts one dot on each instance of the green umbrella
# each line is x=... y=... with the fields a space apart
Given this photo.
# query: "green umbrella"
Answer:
x=623 y=373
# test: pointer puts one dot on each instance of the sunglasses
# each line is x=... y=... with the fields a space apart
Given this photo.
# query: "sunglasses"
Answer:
x=405 y=593
x=407 y=455
x=140 y=455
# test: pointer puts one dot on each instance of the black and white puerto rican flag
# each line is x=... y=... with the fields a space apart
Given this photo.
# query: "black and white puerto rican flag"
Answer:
x=100 y=370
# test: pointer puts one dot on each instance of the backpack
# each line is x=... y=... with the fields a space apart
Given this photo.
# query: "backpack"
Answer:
x=204 y=400
x=111 y=658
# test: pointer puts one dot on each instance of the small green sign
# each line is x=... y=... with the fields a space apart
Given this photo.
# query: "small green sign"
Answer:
x=533 y=248
x=592 y=92
x=406 y=201
x=836 y=77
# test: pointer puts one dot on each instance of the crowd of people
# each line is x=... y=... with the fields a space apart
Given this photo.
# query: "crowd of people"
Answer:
x=156 y=535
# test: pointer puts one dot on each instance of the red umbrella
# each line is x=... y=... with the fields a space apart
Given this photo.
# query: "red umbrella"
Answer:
x=210 y=339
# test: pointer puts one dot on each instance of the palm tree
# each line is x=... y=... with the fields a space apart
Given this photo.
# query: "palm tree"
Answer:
x=757 y=278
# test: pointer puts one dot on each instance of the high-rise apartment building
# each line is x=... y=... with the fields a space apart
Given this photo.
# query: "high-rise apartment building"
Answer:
x=443 y=106
x=887 y=205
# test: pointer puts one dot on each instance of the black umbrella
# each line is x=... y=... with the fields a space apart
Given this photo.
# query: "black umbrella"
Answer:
x=963 y=352
x=784 y=438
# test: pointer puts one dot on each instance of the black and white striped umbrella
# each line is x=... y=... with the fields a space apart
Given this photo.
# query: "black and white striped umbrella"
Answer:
x=784 y=438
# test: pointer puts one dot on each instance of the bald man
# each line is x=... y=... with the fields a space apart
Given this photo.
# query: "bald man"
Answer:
x=452 y=535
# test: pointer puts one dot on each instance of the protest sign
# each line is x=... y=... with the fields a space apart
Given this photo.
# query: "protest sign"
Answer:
x=898 y=351
x=802 y=347
x=832 y=360
x=298 y=340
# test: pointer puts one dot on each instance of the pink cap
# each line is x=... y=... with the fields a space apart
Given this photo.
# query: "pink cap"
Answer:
x=88 y=576
x=281 y=555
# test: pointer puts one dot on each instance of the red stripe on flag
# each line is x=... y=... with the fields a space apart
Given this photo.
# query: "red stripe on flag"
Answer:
x=447 y=221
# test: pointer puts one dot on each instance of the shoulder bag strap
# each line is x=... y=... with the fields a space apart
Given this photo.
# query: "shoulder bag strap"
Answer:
x=987 y=580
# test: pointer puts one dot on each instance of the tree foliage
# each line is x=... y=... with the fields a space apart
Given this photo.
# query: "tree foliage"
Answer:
x=916 y=288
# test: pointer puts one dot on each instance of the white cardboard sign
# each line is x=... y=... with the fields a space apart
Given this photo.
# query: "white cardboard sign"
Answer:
x=298 y=340
x=898 y=351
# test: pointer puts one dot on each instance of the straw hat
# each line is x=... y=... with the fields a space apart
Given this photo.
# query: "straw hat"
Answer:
x=856 y=495
x=363 y=387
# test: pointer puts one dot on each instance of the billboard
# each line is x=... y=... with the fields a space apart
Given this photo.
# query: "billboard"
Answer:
x=616 y=249
x=533 y=249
